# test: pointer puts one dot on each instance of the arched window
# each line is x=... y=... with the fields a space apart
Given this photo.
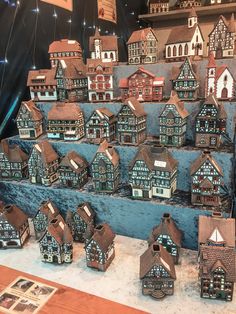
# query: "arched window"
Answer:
x=212 y=72
x=169 y=51
x=180 y=50
x=197 y=38
x=105 y=55
x=225 y=78
x=186 y=49
x=174 y=51
x=111 y=56
x=211 y=90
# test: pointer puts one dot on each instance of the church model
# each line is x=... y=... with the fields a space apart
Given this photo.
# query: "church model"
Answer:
x=216 y=245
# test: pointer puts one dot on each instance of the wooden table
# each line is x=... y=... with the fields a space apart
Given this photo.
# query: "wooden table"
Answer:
x=67 y=300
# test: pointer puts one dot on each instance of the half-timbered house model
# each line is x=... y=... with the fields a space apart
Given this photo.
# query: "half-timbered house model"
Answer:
x=131 y=123
x=56 y=244
x=222 y=38
x=143 y=85
x=153 y=173
x=219 y=80
x=158 y=6
x=185 y=80
x=105 y=169
x=157 y=272
x=79 y=221
x=42 y=85
x=73 y=170
x=142 y=47
x=217 y=270
x=72 y=83
x=104 y=47
x=14 y=227
x=46 y=212
x=210 y=123
x=206 y=180
x=185 y=40
x=101 y=125
x=100 y=80
x=168 y=235
x=13 y=162
x=43 y=164
x=173 y=122
x=99 y=247
x=29 y=120
x=64 y=49
x=186 y=4
x=65 y=121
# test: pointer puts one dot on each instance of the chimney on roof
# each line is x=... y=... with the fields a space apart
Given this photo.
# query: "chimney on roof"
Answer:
x=155 y=249
x=100 y=229
x=216 y=214
x=8 y=208
x=166 y=217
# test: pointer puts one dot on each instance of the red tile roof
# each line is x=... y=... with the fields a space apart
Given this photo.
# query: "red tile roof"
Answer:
x=14 y=216
x=64 y=111
x=34 y=111
x=140 y=35
x=36 y=77
x=64 y=45
x=108 y=42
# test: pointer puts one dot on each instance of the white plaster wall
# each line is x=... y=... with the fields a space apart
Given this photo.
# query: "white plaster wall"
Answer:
x=221 y=84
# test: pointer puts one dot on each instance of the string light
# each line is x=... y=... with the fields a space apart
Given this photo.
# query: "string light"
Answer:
x=55 y=14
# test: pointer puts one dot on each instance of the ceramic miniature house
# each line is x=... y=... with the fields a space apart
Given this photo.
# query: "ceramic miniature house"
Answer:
x=56 y=244
x=185 y=80
x=219 y=80
x=42 y=85
x=210 y=123
x=185 y=4
x=101 y=125
x=168 y=235
x=222 y=38
x=142 y=47
x=13 y=162
x=100 y=80
x=105 y=169
x=14 y=227
x=99 y=247
x=65 y=122
x=79 y=221
x=173 y=122
x=46 y=212
x=73 y=170
x=158 y=6
x=64 y=49
x=29 y=120
x=206 y=181
x=72 y=83
x=217 y=271
x=131 y=123
x=153 y=173
x=43 y=164
x=186 y=40
x=143 y=85
x=104 y=47
x=157 y=272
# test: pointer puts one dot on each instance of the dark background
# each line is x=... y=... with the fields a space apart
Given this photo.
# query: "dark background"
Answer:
x=28 y=44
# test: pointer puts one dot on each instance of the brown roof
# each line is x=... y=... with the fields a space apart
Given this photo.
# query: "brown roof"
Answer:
x=226 y=227
x=13 y=152
x=103 y=236
x=76 y=162
x=94 y=63
x=64 y=111
x=86 y=212
x=179 y=105
x=73 y=68
x=106 y=114
x=177 y=70
x=47 y=152
x=34 y=111
x=49 y=209
x=140 y=35
x=167 y=226
x=181 y=34
x=36 y=77
x=156 y=254
x=110 y=152
x=201 y=160
x=211 y=60
x=135 y=106
x=59 y=230
x=211 y=100
x=109 y=42
x=14 y=215
x=64 y=45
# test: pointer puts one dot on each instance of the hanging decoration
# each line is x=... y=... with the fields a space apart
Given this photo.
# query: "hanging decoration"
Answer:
x=107 y=10
x=65 y=4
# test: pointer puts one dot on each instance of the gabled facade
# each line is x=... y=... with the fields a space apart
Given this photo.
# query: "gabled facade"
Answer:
x=99 y=247
x=186 y=4
x=13 y=162
x=158 y=6
x=210 y=123
x=46 y=212
x=101 y=125
x=168 y=235
x=222 y=38
x=143 y=85
x=14 y=227
x=153 y=173
x=185 y=81
x=29 y=120
x=43 y=164
x=131 y=123
x=73 y=170
x=79 y=221
x=157 y=272
x=42 y=85
x=56 y=244
x=65 y=122
x=100 y=80
x=173 y=122
x=206 y=181
x=105 y=169
x=142 y=47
